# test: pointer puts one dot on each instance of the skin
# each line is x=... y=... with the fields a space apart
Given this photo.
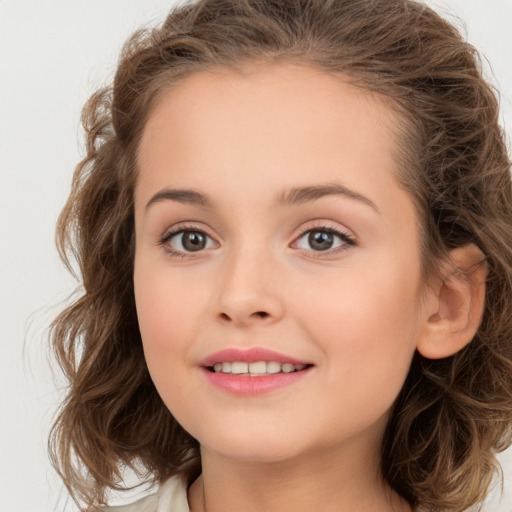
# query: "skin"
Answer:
x=356 y=312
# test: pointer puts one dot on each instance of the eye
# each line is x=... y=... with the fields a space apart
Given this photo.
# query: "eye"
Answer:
x=323 y=239
x=187 y=241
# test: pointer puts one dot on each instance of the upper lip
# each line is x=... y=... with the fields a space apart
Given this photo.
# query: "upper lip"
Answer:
x=251 y=355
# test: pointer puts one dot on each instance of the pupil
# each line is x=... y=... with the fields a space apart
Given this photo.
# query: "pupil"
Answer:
x=320 y=240
x=193 y=241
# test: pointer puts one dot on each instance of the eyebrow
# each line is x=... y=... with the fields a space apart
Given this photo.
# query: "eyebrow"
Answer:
x=181 y=196
x=301 y=195
x=294 y=196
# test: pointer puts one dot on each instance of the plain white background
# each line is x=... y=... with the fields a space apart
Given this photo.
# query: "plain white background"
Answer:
x=53 y=55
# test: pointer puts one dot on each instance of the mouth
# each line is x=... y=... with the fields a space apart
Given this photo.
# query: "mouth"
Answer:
x=255 y=369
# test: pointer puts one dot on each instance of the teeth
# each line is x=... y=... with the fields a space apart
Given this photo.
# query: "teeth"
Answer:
x=238 y=368
x=257 y=368
x=273 y=367
x=287 y=368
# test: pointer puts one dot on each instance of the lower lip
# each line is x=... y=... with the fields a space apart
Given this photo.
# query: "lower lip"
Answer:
x=251 y=386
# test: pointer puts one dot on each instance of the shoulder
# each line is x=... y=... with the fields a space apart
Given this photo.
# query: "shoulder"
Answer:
x=146 y=504
x=171 y=497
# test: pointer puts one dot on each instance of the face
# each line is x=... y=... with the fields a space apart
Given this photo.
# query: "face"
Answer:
x=277 y=269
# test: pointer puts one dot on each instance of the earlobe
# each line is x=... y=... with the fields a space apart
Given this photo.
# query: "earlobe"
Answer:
x=456 y=304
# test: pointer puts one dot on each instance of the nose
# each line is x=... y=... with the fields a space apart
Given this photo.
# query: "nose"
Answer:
x=250 y=291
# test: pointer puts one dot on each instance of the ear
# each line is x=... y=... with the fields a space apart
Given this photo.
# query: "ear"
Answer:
x=455 y=305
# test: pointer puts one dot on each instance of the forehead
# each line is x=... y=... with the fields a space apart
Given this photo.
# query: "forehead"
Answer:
x=268 y=123
x=266 y=94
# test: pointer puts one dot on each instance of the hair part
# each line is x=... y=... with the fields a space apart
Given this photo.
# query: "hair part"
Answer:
x=452 y=415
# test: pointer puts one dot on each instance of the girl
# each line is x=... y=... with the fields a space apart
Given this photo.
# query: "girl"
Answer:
x=294 y=230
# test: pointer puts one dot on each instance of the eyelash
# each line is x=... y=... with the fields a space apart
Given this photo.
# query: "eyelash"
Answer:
x=348 y=240
x=171 y=233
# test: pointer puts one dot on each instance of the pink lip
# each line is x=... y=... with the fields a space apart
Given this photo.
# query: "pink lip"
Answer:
x=251 y=355
x=244 y=385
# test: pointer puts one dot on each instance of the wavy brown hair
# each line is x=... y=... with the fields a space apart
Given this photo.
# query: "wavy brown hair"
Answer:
x=453 y=414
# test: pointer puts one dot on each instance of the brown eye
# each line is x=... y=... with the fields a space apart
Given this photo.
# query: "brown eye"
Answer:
x=324 y=240
x=188 y=240
x=320 y=240
x=193 y=240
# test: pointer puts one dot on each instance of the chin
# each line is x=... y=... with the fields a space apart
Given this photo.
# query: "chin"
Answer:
x=255 y=454
x=251 y=446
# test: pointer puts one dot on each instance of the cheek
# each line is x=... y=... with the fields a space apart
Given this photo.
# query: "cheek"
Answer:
x=167 y=312
x=366 y=323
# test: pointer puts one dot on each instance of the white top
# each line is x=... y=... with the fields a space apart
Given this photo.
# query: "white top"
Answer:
x=171 y=497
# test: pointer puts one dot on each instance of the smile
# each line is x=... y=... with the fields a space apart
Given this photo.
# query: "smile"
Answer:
x=255 y=369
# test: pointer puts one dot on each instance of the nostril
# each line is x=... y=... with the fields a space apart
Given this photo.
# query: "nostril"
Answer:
x=256 y=314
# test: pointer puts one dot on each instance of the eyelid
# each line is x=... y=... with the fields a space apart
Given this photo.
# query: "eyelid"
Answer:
x=187 y=225
x=343 y=233
x=347 y=237
x=178 y=229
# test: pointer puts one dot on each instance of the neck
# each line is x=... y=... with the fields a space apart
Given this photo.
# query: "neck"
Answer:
x=327 y=481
